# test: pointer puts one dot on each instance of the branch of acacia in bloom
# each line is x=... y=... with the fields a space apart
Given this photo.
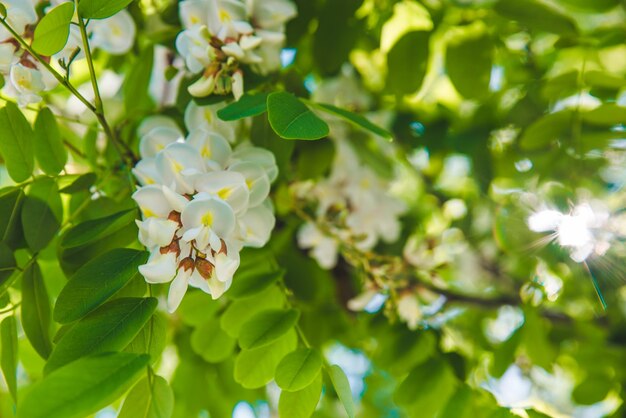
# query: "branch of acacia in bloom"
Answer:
x=394 y=275
x=128 y=156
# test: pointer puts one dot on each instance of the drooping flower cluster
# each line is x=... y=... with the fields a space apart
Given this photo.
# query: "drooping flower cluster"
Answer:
x=25 y=78
x=201 y=202
x=371 y=212
x=220 y=35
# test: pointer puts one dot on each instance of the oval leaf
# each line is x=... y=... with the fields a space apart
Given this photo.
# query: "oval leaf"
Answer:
x=298 y=369
x=469 y=59
x=211 y=342
x=41 y=213
x=101 y=9
x=53 y=30
x=111 y=327
x=240 y=311
x=266 y=327
x=95 y=229
x=342 y=387
x=36 y=310
x=83 y=387
x=248 y=105
x=8 y=353
x=255 y=368
x=407 y=61
x=300 y=404
x=16 y=144
x=149 y=400
x=49 y=149
x=292 y=119
x=96 y=282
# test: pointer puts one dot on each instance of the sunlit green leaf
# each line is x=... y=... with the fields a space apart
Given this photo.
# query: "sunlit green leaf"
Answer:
x=96 y=282
x=8 y=353
x=302 y=403
x=149 y=400
x=292 y=119
x=111 y=327
x=53 y=29
x=41 y=213
x=16 y=142
x=248 y=105
x=266 y=327
x=342 y=387
x=211 y=342
x=36 y=310
x=82 y=387
x=101 y=9
x=407 y=62
x=298 y=369
x=49 y=148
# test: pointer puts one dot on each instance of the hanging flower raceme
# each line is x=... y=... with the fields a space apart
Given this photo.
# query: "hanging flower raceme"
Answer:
x=201 y=203
x=221 y=35
x=371 y=212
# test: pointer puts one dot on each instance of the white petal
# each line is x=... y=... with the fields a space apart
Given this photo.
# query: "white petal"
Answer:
x=178 y=288
x=157 y=139
x=257 y=225
x=211 y=213
x=211 y=145
x=160 y=268
x=229 y=186
x=256 y=179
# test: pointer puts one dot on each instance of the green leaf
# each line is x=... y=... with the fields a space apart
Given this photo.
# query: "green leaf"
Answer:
x=36 y=310
x=111 y=327
x=16 y=144
x=546 y=130
x=211 y=342
x=53 y=30
x=592 y=5
x=250 y=282
x=3 y=11
x=136 y=87
x=407 y=62
x=149 y=400
x=355 y=119
x=11 y=200
x=266 y=327
x=592 y=389
x=8 y=353
x=248 y=105
x=83 y=182
x=342 y=387
x=469 y=59
x=41 y=213
x=7 y=263
x=255 y=368
x=240 y=311
x=302 y=403
x=151 y=339
x=606 y=115
x=196 y=307
x=49 y=149
x=100 y=9
x=96 y=282
x=292 y=119
x=427 y=387
x=90 y=231
x=298 y=369
x=537 y=15
x=82 y=387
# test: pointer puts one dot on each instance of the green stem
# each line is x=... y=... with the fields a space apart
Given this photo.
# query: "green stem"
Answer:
x=62 y=80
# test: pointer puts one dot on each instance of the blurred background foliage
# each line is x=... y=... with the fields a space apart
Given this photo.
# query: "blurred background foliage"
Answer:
x=500 y=105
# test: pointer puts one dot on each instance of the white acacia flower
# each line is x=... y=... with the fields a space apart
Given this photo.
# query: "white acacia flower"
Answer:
x=213 y=147
x=115 y=34
x=205 y=117
x=7 y=57
x=160 y=268
x=207 y=221
x=201 y=203
x=225 y=185
x=156 y=232
x=178 y=163
x=323 y=248
x=28 y=82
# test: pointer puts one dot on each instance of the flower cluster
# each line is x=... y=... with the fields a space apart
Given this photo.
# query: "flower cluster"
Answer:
x=371 y=213
x=25 y=77
x=220 y=35
x=201 y=202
